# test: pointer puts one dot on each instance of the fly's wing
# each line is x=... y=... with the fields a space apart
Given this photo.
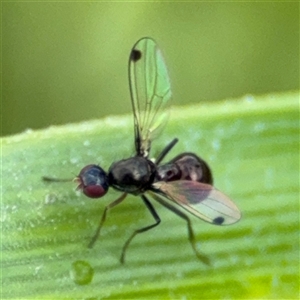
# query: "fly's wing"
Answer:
x=202 y=200
x=150 y=93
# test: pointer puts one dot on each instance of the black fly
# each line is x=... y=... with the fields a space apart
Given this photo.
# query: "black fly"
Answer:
x=186 y=180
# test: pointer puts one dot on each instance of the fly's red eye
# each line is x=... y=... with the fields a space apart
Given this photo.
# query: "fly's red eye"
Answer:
x=93 y=181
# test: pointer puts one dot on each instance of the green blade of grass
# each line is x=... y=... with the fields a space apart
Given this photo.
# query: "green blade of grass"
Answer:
x=252 y=146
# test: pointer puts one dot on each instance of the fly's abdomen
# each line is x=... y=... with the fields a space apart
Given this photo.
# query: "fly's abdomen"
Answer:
x=186 y=166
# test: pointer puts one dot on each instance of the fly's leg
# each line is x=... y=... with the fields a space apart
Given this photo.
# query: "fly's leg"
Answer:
x=103 y=218
x=191 y=235
x=157 y=221
x=165 y=151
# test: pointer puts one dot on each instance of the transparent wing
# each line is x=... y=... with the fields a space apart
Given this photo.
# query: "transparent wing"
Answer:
x=202 y=200
x=150 y=93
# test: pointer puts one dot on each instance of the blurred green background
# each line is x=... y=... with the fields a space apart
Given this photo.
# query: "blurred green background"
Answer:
x=67 y=62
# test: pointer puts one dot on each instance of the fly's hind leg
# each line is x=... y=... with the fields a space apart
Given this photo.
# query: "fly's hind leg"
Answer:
x=165 y=151
x=157 y=221
x=191 y=235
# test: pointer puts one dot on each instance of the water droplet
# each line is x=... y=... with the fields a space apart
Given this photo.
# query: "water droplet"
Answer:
x=249 y=98
x=28 y=131
x=86 y=143
x=216 y=144
x=74 y=160
x=50 y=198
x=259 y=127
x=81 y=272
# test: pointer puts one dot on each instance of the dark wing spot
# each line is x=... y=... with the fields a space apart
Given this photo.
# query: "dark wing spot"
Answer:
x=218 y=220
x=135 y=55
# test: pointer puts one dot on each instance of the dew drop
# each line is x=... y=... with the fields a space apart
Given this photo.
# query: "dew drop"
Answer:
x=28 y=131
x=74 y=160
x=50 y=198
x=216 y=144
x=249 y=98
x=81 y=272
x=86 y=143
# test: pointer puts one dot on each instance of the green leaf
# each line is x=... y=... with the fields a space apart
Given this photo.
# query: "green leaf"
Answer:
x=252 y=146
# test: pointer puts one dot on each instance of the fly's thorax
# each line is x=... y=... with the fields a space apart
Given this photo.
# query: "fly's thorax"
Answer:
x=133 y=175
x=186 y=166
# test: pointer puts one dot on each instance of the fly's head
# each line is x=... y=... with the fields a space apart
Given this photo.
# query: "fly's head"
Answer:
x=93 y=181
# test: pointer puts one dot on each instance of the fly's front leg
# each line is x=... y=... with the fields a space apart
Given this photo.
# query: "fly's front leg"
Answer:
x=191 y=235
x=103 y=218
x=157 y=221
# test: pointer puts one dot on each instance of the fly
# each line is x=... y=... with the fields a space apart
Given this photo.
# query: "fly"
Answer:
x=186 y=180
